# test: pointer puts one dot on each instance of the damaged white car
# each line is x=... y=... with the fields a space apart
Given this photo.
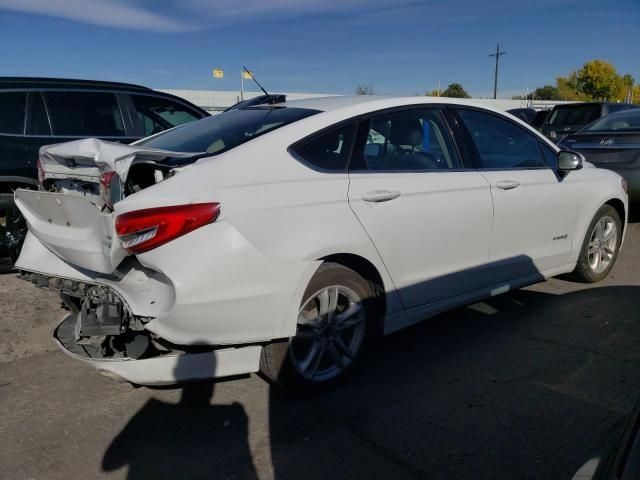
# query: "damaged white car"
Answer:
x=284 y=238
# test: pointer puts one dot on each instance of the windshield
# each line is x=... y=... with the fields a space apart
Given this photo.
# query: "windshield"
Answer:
x=227 y=130
x=623 y=121
x=570 y=115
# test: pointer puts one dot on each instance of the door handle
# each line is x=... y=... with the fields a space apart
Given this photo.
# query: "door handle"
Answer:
x=378 y=196
x=507 y=184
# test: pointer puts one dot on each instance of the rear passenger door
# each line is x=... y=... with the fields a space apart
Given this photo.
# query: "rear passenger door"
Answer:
x=427 y=214
x=82 y=114
x=534 y=207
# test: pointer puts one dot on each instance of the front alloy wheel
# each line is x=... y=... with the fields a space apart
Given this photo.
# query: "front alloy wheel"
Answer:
x=600 y=246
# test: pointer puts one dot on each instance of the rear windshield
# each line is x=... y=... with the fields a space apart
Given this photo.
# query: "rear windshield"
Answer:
x=628 y=120
x=575 y=115
x=225 y=131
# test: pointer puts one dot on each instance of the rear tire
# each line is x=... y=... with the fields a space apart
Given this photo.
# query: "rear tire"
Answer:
x=338 y=317
x=13 y=229
x=600 y=246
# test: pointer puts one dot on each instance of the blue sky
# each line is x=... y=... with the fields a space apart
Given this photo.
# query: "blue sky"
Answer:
x=400 y=47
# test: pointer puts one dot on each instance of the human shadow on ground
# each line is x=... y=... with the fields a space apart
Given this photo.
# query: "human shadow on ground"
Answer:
x=186 y=440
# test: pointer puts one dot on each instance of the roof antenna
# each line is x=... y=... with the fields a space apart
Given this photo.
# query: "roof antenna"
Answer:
x=254 y=79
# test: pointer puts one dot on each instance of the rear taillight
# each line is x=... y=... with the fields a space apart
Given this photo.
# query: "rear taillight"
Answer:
x=109 y=181
x=143 y=230
x=40 y=173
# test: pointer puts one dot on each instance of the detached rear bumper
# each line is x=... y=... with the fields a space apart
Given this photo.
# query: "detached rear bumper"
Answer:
x=166 y=369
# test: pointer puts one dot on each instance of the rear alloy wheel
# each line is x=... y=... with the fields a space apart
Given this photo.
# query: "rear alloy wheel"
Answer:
x=600 y=246
x=334 y=323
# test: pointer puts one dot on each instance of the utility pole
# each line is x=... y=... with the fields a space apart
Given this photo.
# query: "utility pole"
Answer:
x=498 y=54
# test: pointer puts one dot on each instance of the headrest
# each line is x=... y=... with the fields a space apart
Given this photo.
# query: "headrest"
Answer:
x=406 y=131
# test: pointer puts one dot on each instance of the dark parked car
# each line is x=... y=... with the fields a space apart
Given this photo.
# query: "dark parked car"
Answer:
x=538 y=120
x=569 y=118
x=618 y=457
x=524 y=114
x=612 y=142
x=40 y=111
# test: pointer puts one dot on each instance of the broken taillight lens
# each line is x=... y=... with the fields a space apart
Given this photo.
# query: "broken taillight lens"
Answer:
x=143 y=230
x=108 y=180
x=40 y=173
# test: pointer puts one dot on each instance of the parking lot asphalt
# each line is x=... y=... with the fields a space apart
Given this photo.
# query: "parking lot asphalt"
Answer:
x=530 y=384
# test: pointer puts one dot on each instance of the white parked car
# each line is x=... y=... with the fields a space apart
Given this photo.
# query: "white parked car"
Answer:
x=283 y=238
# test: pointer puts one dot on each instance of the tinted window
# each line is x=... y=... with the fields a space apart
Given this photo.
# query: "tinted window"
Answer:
x=227 y=130
x=329 y=151
x=37 y=122
x=416 y=139
x=500 y=143
x=158 y=114
x=550 y=155
x=84 y=114
x=580 y=115
x=620 y=108
x=12 y=106
x=628 y=120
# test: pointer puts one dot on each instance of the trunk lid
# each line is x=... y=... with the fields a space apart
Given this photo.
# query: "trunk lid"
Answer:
x=71 y=219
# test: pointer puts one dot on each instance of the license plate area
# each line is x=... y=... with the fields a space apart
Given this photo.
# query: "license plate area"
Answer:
x=102 y=313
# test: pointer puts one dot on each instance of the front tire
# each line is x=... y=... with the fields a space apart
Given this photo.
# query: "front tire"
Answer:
x=600 y=246
x=336 y=320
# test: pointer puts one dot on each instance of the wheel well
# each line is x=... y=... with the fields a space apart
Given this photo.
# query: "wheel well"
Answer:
x=367 y=270
x=619 y=207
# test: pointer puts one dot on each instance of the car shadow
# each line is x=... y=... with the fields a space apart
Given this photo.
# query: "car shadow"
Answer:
x=524 y=385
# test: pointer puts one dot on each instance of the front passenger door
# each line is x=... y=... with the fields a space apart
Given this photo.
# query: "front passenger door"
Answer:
x=534 y=207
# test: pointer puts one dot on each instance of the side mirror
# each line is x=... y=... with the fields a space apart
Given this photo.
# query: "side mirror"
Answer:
x=568 y=161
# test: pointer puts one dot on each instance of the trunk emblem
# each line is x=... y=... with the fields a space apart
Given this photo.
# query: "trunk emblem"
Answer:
x=71 y=163
x=607 y=141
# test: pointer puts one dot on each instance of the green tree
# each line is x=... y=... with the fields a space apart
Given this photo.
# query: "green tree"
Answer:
x=364 y=89
x=455 y=90
x=547 y=92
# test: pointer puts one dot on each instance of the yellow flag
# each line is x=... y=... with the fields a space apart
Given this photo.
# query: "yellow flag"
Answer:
x=218 y=73
x=247 y=75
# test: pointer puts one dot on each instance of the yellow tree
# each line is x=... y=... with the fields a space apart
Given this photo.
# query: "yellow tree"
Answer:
x=596 y=80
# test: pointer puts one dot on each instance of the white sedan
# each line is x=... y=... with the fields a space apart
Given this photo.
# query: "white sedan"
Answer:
x=283 y=238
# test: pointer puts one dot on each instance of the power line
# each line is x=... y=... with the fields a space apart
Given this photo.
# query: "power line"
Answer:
x=498 y=54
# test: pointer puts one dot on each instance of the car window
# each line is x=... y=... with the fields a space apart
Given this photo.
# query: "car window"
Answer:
x=226 y=130
x=571 y=115
x=329 y=151
x=158 y=114
x=12 y=105
x=628 y=120
x=84 y=114
x=500 y=143
x=37 y=121
x=415 y=139
x=550 y=155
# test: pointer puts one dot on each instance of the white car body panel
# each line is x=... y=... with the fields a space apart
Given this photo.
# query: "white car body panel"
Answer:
x=422 y=234
x=240 y=281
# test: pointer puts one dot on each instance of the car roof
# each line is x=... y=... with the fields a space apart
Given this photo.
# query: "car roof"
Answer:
x=45 y=82
x=334 y=103
x=582 y=104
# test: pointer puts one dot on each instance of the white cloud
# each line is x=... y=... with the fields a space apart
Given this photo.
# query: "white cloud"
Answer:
x=106 y=13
